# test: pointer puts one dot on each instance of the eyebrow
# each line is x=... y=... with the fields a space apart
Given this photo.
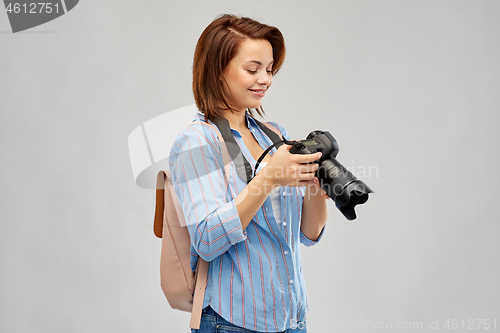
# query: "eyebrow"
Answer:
x=259 y=63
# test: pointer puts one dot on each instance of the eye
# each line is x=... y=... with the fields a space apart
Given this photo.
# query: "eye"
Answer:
x=251 y=71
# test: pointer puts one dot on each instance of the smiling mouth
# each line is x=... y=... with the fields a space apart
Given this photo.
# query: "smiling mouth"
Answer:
x=258 y=92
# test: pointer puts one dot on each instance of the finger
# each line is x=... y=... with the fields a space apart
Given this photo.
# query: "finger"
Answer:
x=307 y=176
x=308 y=168
x=306 y=182
x=313 y=157
x=314 y=181
x=307 y=158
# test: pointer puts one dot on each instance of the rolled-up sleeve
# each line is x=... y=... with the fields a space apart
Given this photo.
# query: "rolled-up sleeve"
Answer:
x=197 y=173
x=308 y=242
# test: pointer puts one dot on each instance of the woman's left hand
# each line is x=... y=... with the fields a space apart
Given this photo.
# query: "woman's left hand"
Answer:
x=315 y=183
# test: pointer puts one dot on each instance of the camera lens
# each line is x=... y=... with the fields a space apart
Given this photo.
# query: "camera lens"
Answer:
x=342 y=187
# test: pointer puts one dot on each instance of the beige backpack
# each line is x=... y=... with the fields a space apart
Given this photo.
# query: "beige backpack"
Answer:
x=178 y=281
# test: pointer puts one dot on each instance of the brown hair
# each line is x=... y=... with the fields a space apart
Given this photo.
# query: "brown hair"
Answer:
x=217 y=46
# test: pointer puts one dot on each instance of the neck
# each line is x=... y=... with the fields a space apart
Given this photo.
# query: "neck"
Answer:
x=236 y=120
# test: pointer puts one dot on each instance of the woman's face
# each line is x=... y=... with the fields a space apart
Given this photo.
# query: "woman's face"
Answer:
x=248 y=74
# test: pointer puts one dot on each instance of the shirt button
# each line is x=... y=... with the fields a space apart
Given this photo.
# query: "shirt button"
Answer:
x=291 y=281
x=286 y=252
x=284 y=224
x=284 y=194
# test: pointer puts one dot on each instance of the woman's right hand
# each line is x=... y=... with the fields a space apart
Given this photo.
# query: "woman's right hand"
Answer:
x=286 y=169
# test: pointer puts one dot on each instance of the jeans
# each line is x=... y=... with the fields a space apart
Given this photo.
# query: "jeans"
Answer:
x=212 y=322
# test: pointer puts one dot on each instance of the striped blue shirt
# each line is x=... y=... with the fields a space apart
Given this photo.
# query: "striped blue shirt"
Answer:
x=255 y=277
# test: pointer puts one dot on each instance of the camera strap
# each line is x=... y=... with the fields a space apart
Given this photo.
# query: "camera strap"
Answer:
x=277 y=144
x=243 y=167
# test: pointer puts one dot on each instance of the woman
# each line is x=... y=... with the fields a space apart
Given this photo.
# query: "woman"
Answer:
x=249 y=233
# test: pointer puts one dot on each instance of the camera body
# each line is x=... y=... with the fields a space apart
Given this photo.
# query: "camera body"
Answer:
x=339 y=183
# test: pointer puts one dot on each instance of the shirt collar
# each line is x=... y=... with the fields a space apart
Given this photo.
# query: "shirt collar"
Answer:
x=249 y=120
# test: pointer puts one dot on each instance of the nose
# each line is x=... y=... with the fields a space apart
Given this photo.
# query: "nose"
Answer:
x=265 y=79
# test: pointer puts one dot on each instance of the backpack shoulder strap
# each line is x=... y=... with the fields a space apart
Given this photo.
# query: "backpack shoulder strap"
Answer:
x=163 y=177
x=271 y=132
x=160 y=203
x=199 y=293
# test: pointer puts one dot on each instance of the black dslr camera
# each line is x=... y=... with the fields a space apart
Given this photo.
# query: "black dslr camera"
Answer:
x=345 y=190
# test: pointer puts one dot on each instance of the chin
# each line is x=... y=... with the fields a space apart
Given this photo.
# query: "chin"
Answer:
x=254 y=106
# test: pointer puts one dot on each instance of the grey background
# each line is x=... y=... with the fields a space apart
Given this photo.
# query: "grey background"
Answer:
x=408 y=87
